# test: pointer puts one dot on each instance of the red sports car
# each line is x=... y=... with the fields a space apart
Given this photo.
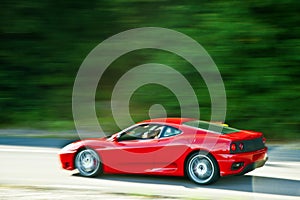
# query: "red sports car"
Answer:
x=201 y=150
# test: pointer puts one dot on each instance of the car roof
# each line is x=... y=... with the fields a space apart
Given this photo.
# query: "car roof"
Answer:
x=168 y=120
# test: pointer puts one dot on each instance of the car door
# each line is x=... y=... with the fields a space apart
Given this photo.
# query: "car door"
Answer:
x=132 y=151
x=170 y=147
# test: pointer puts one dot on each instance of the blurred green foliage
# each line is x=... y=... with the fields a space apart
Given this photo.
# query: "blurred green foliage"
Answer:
x=255 y=45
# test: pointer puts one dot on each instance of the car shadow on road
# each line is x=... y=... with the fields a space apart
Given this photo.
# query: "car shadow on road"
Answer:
x=244 y=183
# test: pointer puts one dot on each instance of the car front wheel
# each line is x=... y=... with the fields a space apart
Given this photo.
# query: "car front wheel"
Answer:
x=88 y=163
x=202 y=168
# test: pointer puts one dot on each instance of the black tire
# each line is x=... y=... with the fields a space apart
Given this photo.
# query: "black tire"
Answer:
x=202 y=168
x=88 y=163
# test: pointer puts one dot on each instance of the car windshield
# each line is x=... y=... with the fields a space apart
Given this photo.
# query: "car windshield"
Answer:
x=223 y=129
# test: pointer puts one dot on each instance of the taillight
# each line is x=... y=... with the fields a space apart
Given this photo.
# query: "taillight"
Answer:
x=237 y=147
x=241 y=146
x=264 y=140
x=233 y=147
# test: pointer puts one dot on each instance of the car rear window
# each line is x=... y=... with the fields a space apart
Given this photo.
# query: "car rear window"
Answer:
x=223 y=129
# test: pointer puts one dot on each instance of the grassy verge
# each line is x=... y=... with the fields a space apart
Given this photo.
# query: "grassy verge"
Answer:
x=15 y=191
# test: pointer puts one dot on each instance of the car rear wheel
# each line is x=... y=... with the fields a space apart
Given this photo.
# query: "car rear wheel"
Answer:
x=88 y=163
x=202 y=168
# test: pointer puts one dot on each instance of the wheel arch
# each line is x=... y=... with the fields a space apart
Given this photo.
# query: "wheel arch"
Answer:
x=195 y=151
x=83 y=148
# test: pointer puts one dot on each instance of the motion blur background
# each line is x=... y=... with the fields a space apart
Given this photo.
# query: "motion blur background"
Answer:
x=255 y=45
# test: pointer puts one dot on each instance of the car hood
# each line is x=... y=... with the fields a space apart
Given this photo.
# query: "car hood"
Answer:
x=92 y=142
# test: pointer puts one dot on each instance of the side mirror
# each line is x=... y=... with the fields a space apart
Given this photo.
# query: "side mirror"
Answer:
x=115 y=138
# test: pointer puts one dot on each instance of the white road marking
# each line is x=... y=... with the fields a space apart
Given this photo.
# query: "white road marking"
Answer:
x=24 y=149
x=291 y=164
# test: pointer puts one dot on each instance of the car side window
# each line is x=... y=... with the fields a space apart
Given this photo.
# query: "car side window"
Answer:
x=170 y=131
x=141 y=132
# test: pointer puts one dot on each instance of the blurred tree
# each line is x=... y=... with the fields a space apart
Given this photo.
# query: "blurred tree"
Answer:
x=255 y=44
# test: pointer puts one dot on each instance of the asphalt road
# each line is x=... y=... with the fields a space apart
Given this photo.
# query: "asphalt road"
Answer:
x=34 y=173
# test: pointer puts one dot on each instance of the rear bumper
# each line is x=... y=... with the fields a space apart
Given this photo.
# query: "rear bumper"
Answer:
x=234 y=164
x=253 y=166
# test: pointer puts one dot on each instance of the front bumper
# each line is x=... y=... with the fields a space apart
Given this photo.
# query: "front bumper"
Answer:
x=248 y=162
x=67 y=160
